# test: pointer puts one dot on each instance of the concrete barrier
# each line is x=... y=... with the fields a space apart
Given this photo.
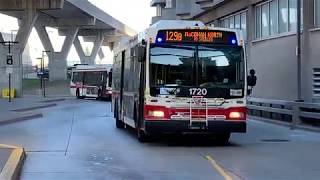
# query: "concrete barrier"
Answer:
x=12 y=168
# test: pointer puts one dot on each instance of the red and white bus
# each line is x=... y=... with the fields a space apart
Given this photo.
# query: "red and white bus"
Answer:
x=181 y=77
x=91 y=81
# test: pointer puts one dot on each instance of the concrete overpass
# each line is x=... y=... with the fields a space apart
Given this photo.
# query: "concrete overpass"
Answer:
x=73 y=18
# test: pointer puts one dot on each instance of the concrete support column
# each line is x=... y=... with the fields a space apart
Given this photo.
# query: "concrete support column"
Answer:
x=96 y=49
x=4 y=76
x=25 y=27
x=101 y=54
x=57 y=60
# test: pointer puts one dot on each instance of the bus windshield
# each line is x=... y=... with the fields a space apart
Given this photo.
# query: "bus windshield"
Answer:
x=207 y=66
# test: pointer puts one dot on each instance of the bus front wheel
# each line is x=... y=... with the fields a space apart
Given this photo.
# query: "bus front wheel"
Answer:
x=78 y=93
x=119 y=123
x=141 y=134
x=99 y=95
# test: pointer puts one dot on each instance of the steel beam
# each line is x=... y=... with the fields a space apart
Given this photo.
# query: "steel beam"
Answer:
x=20 y=5
x=91 y=32
x=62 y=22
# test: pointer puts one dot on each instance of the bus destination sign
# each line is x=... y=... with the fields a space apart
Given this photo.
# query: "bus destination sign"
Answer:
x=196 y=36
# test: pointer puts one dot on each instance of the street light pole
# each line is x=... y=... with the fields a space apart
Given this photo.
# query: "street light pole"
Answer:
x=40 y=59
x=299 y=62
x=43 y=83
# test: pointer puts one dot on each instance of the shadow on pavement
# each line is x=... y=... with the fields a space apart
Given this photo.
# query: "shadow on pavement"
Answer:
x=182 y=140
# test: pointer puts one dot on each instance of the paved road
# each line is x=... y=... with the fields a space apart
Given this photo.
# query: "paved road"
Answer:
x=78 y=141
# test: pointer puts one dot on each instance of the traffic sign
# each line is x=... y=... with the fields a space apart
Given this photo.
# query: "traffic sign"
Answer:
x=9 y=70
x=9 y=59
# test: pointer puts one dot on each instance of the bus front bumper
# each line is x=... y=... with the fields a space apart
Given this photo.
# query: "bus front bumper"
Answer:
x=183 y=126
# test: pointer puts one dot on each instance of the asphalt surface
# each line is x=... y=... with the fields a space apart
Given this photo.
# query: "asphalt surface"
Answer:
x=4 y=156
x=77 y=140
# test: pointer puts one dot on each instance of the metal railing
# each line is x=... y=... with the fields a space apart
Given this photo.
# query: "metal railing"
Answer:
x=295 y=113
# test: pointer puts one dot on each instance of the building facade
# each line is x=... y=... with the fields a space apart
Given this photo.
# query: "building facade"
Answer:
x=175 y=9
x=269 y=28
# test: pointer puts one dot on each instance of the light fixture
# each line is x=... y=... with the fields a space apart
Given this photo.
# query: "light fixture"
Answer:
x=156 y=113
x=236 y=115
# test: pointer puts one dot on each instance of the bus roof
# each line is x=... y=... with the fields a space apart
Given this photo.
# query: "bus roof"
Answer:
x=103 y=67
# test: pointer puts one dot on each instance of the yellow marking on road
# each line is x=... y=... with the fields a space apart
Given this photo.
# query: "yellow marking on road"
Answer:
x=217 y=167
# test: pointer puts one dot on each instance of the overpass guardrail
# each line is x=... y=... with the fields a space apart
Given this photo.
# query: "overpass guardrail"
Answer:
x=294 y=113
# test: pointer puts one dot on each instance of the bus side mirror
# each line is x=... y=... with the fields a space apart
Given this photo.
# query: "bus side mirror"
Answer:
x=252 y=78
x=141 y=53
x=143 y=42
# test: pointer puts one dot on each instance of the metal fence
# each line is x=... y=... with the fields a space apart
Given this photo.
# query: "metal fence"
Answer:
x=295 y=113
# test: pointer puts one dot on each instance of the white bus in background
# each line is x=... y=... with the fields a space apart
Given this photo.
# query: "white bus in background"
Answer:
x=91 y=81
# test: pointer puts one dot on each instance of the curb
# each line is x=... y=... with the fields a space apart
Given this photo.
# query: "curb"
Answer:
x=34 y=108
x=20 y=119
x=286 y=124
x=12 y=168
x=52 y=100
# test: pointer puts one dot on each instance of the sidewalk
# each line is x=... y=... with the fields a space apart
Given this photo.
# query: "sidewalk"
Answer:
x=11 y=161
x=25 y=108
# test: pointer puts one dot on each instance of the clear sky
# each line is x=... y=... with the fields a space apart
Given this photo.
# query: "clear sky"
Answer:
x=134 y=13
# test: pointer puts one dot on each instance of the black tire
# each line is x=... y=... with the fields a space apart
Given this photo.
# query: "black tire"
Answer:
x=223 y=139
x=78 y=94
x=119 y=123
x=99 y=95
x=141 y=135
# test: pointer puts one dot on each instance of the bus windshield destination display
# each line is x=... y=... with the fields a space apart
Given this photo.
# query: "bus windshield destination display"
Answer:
x=196 y=36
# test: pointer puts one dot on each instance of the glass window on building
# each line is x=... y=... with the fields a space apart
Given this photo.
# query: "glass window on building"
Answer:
x=231 y=21
x=293 y=15
x=283 y=16
x=274 y=17
x=258 y=21
x=168 y=3
x=237 y=21
x=265 y=20
x=226 y=23
x=244 y=24
x=317 y=13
